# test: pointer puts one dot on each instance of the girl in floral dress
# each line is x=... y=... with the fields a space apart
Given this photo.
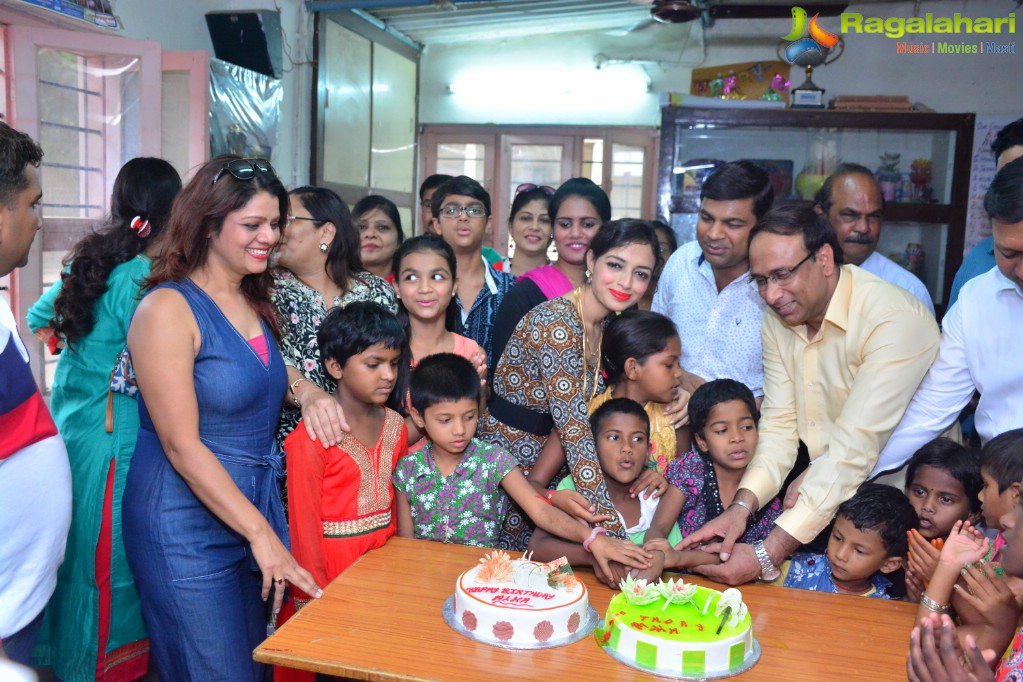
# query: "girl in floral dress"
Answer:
x=723 y=421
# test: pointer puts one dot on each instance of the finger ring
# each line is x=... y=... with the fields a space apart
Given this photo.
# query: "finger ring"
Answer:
x=280 y=581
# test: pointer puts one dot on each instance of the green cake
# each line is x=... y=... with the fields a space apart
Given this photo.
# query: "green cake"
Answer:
x=679 y=629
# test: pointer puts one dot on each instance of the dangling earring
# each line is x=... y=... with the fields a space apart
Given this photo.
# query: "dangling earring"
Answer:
x=323 y=247
x=586 y=274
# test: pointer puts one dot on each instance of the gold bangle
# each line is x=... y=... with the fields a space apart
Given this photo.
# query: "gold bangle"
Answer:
x=932 y=605
x=292 y=387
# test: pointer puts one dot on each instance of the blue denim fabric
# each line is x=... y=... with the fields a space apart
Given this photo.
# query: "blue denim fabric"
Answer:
x=199 y=584
x=18 y=647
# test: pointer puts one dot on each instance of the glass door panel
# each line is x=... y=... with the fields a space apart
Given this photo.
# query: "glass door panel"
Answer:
x=454 y=158
x=627 y=175
x=93 y=103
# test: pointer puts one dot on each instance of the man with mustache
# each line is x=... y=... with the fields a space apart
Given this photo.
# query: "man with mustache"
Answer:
x=843 y=354
x=850 y=199
x=705 y=288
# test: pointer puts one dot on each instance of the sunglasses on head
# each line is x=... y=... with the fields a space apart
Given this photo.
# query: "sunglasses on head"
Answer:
x=529 y=187
x=245 y=169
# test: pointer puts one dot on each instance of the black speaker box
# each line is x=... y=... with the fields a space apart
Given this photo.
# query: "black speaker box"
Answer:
x=249 y=39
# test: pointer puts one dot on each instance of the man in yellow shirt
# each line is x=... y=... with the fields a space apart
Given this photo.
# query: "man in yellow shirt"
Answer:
x=844 y=351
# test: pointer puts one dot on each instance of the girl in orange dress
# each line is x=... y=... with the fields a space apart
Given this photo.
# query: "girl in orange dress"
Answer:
x=341 y=498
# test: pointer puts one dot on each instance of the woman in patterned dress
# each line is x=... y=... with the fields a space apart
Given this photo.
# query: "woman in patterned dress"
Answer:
x=318 y=268
x=551 y=367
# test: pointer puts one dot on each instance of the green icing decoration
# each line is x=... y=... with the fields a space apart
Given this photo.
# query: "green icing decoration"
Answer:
x=646 y=655
x=736 y=655
x=654 y=620
x=693 y=662
x=616 y=634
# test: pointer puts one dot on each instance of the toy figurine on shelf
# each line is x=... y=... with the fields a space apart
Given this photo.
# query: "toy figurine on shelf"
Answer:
x=888 y=176
x=914 y=259
x=920 y=176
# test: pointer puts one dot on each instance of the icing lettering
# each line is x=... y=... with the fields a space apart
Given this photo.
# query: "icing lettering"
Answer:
x=510 y=599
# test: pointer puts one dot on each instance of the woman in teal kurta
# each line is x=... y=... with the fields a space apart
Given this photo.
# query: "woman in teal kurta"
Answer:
x=93 y=627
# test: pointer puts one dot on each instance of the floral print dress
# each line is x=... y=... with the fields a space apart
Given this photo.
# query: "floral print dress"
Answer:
x=542 y=371
x=300 y=310
x=466 y=507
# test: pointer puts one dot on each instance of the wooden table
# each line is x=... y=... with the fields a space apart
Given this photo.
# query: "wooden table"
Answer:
x=381 y=620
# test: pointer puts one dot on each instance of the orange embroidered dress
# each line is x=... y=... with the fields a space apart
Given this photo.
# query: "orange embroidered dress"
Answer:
x=341 y=504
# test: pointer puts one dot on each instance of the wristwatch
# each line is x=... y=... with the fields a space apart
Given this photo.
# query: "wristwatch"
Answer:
x=768 y=571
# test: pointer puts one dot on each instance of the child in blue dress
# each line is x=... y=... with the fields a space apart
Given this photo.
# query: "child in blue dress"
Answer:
x=868 y=541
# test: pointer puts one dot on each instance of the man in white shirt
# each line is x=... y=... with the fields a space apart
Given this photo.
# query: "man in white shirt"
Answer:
x=851 y=201
x=980 y=340
x=35 y=479
x=705 y=288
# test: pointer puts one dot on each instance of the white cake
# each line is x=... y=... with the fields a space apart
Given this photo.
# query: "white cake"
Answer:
x=516 y=602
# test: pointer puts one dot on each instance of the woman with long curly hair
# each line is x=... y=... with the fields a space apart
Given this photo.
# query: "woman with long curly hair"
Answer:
x=204 y=526
x=93 y=625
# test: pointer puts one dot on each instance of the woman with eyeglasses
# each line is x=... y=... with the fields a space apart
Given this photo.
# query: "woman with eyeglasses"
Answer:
x=380 y=234
x=318 y=268
x=92 y=620
x=204 y=527
x=576 y=211
x=529 y=227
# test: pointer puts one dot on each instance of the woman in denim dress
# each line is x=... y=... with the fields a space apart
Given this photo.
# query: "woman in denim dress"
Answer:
x=204 y=528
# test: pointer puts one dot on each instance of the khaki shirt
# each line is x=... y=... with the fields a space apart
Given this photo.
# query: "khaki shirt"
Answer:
x=842 y=393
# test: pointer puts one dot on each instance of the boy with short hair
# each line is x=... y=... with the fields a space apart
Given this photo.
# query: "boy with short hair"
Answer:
x=868 y=541
x=454 y=489
x=461 y=208
x=428 y=224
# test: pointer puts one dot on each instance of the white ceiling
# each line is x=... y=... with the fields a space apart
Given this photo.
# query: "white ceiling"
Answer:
x=471 y=21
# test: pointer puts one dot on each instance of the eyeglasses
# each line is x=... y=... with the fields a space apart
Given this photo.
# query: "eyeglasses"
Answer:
x=245 y=169
x=292 y=218
x=470 y=212
x=529 y=187
x=778 y=276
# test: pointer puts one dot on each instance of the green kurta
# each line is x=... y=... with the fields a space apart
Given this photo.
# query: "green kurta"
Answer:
x=70 y=637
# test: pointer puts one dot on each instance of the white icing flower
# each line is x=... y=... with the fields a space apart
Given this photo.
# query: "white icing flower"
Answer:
x=678 y=592
x=731 y=598
x=638 y=592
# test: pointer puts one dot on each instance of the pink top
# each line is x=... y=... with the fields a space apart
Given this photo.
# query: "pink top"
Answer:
x=258 y=344
x=465 y=347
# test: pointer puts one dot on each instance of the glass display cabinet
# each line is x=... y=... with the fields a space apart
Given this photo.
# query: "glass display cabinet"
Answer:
x=921 y=160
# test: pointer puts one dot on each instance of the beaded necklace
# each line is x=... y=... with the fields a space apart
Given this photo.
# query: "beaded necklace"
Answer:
x=577 y=297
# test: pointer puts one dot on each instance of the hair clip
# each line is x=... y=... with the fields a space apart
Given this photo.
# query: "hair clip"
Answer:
x=141 y=226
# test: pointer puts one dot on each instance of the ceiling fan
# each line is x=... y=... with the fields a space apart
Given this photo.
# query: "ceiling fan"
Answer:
x=681 y=11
